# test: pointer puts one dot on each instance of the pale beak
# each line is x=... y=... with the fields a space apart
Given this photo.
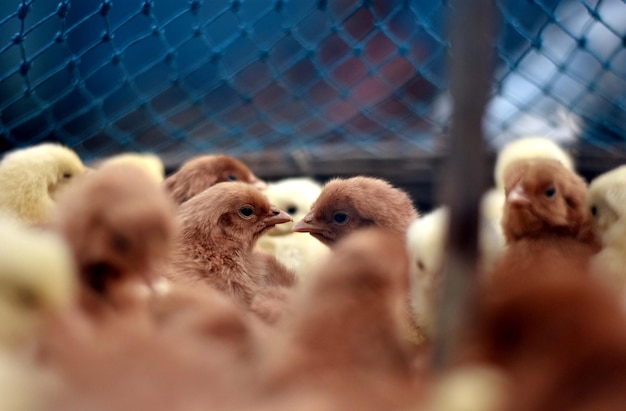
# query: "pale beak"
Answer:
x=305 y=226
x=278 y=217
x=517 y=196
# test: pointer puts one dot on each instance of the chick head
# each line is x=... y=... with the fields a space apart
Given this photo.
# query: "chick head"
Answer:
x=119 y=224
x=606 y=205
x=293 y=195
x=528 y=148
x=148 y=162
x=37 y=278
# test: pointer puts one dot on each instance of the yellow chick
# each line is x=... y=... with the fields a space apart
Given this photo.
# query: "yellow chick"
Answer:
x=296 y=251
x=148 y=162
x=21 y=386
x=31 y=178
x=492 y=204
x=606 y=204
x=37 y=278
x=426 y=241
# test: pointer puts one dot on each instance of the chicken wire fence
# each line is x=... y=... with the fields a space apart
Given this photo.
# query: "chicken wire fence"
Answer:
x=325 y=77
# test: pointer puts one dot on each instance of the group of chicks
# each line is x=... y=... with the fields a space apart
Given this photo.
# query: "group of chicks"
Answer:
x=124 y=289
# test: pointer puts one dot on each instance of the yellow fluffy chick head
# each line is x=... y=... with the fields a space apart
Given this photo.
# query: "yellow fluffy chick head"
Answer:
x=293 y=195
x=31 y=179
x=528 y=148
x=150 y=163
x=37 y=278
x=606 y=204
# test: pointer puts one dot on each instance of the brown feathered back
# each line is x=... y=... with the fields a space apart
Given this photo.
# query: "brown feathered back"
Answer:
x=200 y=173
x=119 y=223
x=219 y=228
x=346 y=205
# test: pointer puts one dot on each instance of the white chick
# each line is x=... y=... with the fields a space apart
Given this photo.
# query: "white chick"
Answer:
x=37 y=278
x=492 y=204
x=296 y=251
x=148 y=162
x=606 y=203
x=426 y=241
x=31 y=178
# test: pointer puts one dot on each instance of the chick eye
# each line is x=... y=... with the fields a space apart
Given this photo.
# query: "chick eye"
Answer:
x=67 y=176
x=246 y=212
x=292 y=210
x=549 y=193
x=232 y=177
x=340 y=217
x=594 y=211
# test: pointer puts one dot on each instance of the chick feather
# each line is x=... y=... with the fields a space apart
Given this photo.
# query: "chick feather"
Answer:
x=297 y=252
x=344 y=339
x=37 y=278
x=202 y=172
x=148 y=162
x=606 y=205
x=120 y=226
x=345 y=205
x=31 y=179
x=219 y=229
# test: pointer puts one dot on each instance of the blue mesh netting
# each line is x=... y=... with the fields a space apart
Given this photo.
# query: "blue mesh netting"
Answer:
x=182 y=76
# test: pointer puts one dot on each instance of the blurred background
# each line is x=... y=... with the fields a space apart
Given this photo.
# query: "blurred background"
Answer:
x=292 y=87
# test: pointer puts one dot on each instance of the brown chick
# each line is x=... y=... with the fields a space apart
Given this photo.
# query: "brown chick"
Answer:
x=559 y=337
x=220 y=227
x=200 y=173
x=346 y=205
x=120 y=226
x=544 y=217
x=344 y=340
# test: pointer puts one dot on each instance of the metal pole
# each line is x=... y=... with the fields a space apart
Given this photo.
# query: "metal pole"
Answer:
x=471 y=32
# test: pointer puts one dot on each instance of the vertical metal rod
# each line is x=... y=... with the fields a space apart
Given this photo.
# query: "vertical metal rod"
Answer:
x=471 y=31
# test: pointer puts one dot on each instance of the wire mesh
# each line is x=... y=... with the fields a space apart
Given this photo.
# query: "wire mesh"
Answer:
x=180 y=77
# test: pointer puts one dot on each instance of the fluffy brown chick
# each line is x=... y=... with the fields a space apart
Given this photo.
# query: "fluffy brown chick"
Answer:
x=545 y=217
x=220 y=227
x=200 y=173
x=344 y=338
x=346 y=205
x=120 y=226
x=559 y=337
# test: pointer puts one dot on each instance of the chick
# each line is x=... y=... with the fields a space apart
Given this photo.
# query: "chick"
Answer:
x=220 y=227
x=558 y=336
x=37 y=278
x=297 y=252
x=606 y=198
x=426 y=241
x=545 y=220
x=148 y=162
x=120 y=225
x=32 y=178
x=344 y=341
x=200 y=173
x=346 y=205
x=492 y=205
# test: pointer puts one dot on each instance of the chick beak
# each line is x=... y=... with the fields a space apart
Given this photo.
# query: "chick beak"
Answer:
x=305 y=226
x=517 y=196
x=277 y=216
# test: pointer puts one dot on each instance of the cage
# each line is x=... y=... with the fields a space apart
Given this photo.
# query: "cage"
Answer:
x=318 y=88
